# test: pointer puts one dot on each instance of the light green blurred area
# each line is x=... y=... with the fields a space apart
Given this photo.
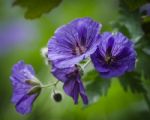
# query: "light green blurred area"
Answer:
x=117 y=105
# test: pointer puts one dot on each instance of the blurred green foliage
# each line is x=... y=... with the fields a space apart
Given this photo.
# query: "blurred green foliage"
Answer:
x=35 y=8
x=112 y=99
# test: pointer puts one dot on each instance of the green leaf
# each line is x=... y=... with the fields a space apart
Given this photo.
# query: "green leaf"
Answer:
x=35 y=8
x=120 y=26
x=129 y=22
x=145 y=24
x=132 y=81
x=143 y=61
x=135 y=4
x=146 y=18
x=96 y=86
x=147 y=87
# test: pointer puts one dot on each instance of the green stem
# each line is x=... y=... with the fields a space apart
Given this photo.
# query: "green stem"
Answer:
x=49 y=85
x=86 y=64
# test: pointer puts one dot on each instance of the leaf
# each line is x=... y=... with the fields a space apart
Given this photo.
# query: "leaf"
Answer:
x=96 y=86
x=147 y=87
x=145 y=24
x=132 y=81
x=35 y=8
x=143 y=61
x=129 y=22
x=146 y=18
x=135 y=4
x=119 y=26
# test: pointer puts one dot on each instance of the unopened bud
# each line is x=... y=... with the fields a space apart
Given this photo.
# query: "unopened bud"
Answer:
x=44 y=52
x=32 y=82
x=57 y=97
x=34 y=90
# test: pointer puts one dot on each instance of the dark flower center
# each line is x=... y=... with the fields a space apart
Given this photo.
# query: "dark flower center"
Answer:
x=109 y=59
x=73 y=74
x=79 y=49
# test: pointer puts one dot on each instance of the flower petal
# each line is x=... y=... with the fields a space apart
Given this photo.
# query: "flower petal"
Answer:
x=24 y=105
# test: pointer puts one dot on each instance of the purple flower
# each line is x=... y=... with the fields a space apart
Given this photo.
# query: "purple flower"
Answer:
x=74 y=42
x=114 y=56
x=72 y=82
x=26 y=87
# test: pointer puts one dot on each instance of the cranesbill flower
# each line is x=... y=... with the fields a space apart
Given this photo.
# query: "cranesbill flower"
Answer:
x=26 y=87
x=72 y=82
x=114 y=56
x=74 y=42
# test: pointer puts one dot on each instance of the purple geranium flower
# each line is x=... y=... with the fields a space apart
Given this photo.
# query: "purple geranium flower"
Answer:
x=26 y=87
x=74 y=42
x=72 y=82
x=114 y=56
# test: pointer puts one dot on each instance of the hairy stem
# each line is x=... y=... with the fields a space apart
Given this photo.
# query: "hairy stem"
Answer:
x=86 y=64
x=50 y=85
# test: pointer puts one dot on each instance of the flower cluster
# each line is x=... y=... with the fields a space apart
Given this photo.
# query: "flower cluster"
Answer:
x=112 y=54
x=71 y=44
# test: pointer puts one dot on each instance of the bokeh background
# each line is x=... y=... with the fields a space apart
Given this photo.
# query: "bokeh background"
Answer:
x=22 y=39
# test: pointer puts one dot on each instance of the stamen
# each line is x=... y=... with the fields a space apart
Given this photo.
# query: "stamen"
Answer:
x=79 y=50
x=109 y=59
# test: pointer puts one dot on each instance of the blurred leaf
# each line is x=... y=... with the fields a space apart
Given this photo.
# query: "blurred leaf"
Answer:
x=135 y=4
x=132 y=81
x=35 y=8
x=96 y=86
x=145 y=24
x=146 y=18
x=143 y=65
x=129 y=22
x=147 y=87
x=119 y=26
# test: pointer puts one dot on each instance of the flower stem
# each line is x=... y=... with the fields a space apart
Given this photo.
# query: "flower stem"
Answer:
x=49 y=85
x=86 y=64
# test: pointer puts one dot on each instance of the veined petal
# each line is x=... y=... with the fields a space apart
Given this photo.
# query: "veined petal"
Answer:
x=24 y=105
x=74 y=42
x=20 y=77
x=71 y=78
x=115 y=55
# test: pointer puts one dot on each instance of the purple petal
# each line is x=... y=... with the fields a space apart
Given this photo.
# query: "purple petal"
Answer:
x=114 y=72
x=72 y=82
x=109 y=46
x=24 y=105
x=99 y=61
x=73 y=88
x=82 y=93
x=61 y=74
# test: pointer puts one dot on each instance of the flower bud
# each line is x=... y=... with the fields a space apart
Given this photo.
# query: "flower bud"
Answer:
x=44 y=52
x=34 y=90
x=32 y=82
x=57 y=97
